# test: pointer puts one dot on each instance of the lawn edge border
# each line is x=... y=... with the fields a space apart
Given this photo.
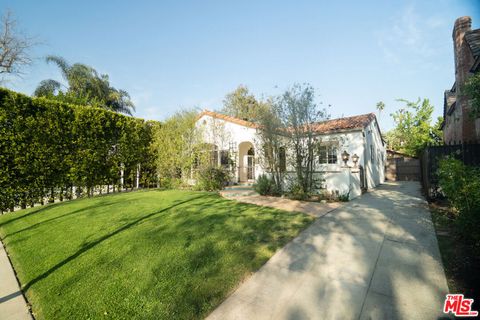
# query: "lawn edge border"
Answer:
x=27 y=303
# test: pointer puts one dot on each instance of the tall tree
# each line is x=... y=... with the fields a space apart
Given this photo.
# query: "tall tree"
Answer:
x=242 y=104
x=84 y=86
x=299 y=115
x=14 y=47
x=380 y=107
x=414 y=129
x=175 y=142
x=273 y=143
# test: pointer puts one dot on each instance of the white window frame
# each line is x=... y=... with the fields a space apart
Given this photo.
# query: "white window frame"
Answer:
x=330 y=152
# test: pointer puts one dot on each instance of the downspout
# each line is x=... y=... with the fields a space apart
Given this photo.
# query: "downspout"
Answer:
x=365 y=163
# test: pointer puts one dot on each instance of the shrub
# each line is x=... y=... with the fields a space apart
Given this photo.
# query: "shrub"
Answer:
x=344 y=197
x=48 y=147
x=296 y=192
x=461 y=185
x=170 y=183
x=265 y=186
x=212 y=178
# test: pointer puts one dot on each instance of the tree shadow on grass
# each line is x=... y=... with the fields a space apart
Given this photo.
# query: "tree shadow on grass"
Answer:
x=98 y=241
x=38 y=224
x=48 y=206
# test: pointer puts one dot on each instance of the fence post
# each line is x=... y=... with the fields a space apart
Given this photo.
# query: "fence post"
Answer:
x=121 y=177
x=138 y=177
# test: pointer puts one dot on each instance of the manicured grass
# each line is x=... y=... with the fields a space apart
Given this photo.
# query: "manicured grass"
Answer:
x=144 y=255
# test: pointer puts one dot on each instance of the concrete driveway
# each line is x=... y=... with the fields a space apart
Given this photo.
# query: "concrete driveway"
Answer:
x=375 y=258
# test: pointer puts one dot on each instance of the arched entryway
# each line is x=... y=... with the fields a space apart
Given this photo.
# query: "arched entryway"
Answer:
x=246 y=163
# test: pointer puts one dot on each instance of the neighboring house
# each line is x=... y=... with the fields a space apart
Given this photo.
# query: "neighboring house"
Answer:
x=235 y=143
x=458 y=126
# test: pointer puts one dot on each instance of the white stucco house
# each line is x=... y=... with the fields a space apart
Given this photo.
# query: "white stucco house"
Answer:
x=359 y=136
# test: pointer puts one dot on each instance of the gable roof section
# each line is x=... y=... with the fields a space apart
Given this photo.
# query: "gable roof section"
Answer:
x=231 y=119
x=342 y=124
x=328 y=126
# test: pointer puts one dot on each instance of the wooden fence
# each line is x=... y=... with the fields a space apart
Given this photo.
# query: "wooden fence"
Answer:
x=403 y=169
x=468 y=153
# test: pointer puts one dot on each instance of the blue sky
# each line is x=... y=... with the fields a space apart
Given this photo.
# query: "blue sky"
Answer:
x=181 y=54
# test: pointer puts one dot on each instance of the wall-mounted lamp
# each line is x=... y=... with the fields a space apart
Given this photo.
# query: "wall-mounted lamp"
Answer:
x=345 y=157
x=355 y=159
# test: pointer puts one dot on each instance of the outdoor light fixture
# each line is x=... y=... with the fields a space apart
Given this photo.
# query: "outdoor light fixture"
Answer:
x=355 y=159
x=345 y=157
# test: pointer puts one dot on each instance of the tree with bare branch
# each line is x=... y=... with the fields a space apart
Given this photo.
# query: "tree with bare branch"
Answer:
x=14 y=47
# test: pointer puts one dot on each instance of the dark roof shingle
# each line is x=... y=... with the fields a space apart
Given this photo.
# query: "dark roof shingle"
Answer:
x=473 y=40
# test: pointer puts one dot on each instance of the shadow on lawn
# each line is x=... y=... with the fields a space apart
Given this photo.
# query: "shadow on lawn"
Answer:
x=18 y=217
x=94 y=243
x=38 y=224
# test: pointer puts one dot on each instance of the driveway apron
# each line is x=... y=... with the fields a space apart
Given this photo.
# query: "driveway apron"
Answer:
x=376 y=257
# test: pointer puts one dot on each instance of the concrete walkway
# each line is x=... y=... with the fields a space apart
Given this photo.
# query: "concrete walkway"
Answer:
x=312 y=208
x=374 y=258
x=12 y=304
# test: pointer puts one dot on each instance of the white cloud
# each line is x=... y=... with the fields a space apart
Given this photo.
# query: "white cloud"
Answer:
x=409 y=37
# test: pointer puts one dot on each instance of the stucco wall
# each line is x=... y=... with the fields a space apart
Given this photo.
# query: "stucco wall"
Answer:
x=222 y=133
x=335 y=175
x=374 y=166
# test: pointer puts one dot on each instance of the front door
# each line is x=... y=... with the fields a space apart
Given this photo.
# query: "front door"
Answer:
x=250 y=167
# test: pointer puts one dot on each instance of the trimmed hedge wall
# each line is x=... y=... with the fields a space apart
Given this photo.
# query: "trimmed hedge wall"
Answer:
x=48 y=147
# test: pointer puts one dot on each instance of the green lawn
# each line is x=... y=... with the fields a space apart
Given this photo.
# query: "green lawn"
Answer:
x=145 y=255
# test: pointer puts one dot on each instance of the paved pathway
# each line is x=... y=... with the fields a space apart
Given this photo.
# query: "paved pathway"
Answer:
x=12 y=303
x=313 y=208
x=374 y=258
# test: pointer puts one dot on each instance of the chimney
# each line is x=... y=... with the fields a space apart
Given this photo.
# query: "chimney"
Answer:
x=463 y=56
x=465 y=127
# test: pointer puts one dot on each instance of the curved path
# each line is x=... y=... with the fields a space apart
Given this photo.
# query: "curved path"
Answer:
x=374 y=258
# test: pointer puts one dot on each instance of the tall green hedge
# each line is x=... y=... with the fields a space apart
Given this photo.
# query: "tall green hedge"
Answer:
x=48 y=147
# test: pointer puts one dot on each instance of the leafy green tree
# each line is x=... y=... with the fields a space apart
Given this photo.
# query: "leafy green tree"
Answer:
x=472 y=90
x=85 y=87
x=176 y=142
x=242 y=104
x=413 y=128
x=299 y=114
x=273 y=148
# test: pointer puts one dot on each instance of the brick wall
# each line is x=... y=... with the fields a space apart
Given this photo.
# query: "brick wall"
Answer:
x=459 y=127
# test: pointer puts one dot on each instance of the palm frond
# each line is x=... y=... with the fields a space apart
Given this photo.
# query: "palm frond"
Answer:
x=61 y=63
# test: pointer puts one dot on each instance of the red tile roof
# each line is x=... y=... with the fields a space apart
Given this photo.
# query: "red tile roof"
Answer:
x=238 y=121
x=341 y=124
x=327 y=126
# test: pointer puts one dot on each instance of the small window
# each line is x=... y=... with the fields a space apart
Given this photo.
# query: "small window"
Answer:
x=224 y=158
x=372 y=153
x=282 y=157
x=327 y=154
x=214 y=155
